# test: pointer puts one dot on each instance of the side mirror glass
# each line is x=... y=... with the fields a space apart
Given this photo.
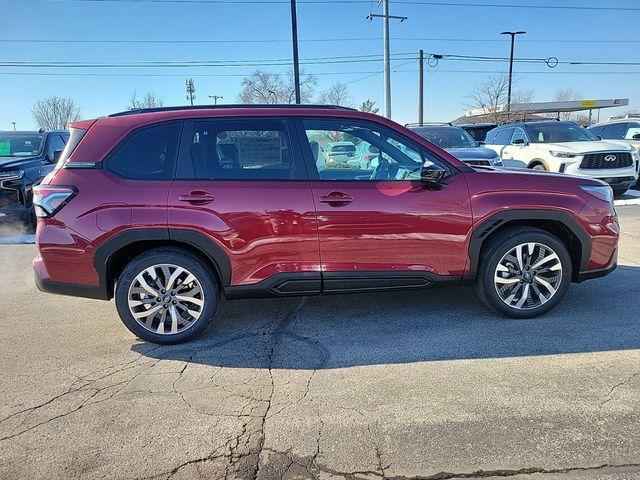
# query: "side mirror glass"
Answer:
x=56 y=156
x=518 y=141
x=432 y=175
x=636 y=136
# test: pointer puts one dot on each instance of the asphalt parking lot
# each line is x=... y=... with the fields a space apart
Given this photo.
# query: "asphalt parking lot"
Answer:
x=398 y=385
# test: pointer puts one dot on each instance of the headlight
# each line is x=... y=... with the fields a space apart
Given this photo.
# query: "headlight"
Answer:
x=563 y=154
x=602 y=192
x=11 y=174
x=635 y=155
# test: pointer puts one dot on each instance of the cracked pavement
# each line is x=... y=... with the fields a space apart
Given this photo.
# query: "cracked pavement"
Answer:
x=400 y=385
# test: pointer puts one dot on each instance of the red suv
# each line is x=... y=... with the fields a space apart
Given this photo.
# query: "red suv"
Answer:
x=170 y=209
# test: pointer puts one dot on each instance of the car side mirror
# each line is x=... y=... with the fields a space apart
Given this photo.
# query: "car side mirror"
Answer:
x=431 y=175
x=518 y=141
x=482 y=143
x=636 y=137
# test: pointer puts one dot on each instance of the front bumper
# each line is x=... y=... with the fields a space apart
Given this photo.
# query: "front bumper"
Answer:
x=601 y=272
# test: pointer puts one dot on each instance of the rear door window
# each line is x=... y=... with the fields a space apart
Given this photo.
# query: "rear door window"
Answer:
x=148 y=153
x=257 y=149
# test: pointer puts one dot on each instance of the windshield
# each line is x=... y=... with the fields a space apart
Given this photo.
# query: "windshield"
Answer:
x=559 y=132
x=20 y=144
x=448 y=137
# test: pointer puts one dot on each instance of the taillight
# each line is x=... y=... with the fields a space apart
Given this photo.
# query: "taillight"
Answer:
x=49 y=199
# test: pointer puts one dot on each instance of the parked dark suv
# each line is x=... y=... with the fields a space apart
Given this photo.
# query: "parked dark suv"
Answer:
x=169 y=209
x=25 y=159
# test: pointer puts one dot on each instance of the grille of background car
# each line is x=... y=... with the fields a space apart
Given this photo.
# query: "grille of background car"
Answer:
x=597 y=160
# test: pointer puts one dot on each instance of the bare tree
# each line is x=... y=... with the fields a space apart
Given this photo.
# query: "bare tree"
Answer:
x=566 y=95
x=150 y=100
x=369 y=106
x=271 y=88
x=491 y=97
x=54 y=113
x=338 y=94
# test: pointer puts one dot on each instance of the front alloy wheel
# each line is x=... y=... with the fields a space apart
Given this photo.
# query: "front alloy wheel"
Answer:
x=523 y=272
x=528 y=276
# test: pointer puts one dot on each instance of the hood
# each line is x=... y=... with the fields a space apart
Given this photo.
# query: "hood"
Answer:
x=17 y=163
x=546 y=179
x=583 y=147
x=477 y=153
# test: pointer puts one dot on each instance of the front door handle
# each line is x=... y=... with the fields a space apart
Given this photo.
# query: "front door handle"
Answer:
x=336 y=199
x=197 y=198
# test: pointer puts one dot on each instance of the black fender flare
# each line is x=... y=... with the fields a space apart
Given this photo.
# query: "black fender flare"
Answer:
x=203 y=244
x=495 y=221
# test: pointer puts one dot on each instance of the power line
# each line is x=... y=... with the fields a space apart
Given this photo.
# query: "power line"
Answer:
x=405 y=2
x=314 y=40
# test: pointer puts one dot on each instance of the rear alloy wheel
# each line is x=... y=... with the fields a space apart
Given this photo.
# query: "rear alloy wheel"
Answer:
x=166 y=301
x=524 y=272
x=540 y=167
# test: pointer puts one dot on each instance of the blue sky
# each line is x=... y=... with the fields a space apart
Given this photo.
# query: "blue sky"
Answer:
x=258 y=32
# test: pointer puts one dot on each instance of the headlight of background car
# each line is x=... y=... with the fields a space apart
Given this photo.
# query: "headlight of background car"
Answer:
x=563 y=154
x=602 y=192
x=11 y=174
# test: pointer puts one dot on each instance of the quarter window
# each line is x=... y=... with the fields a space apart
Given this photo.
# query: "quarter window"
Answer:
x=238 y=150
x=366 y=152
x=147 y=154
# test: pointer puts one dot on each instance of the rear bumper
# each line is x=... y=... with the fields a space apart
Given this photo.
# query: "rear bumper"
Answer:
x=45 y=284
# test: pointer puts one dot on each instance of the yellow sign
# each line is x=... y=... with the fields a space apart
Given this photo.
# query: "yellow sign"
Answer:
x=588 y=103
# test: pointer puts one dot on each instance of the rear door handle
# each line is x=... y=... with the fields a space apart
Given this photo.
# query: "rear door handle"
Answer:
x=336 y=199
x=197 y=198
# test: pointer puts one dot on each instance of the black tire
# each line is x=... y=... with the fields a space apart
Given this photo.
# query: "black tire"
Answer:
x=502 y=244
x=179 y=258
x=618 y=192
x=539 y=167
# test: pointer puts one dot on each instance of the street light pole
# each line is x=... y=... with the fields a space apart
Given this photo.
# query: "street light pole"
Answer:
x=14 y=126
x=513 y=41
x=294 y=39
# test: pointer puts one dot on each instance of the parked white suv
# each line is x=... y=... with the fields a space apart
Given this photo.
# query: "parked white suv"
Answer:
x=565 y=147
x=625 y=131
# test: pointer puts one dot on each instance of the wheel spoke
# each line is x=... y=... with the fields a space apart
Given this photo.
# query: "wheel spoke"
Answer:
x=519 y=257
x=507 y=281
x=143 y=283
x=546 y=259
x=146 y=313
x=174 y=276
x=195 y=301
x=545 y=284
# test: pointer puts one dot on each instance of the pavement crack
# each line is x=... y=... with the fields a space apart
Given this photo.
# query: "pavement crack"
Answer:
x=618 y=385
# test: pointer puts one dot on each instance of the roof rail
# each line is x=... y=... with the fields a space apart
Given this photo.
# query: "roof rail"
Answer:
x=135 y=111
x=426 y=124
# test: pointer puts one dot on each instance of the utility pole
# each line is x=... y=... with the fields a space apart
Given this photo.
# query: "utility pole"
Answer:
x=215 y=98
x=294 y=39
x=513 y=41
x=191 y=91
x=14 y=126
x=387 y=61
x=421 y=87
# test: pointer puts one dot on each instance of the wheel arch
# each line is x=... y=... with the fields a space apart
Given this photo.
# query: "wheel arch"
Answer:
x=112 y=256
x=538 y=161
x=560 y=224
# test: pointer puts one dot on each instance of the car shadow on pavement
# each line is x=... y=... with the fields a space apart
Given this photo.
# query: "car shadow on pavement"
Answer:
x=410 y=326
